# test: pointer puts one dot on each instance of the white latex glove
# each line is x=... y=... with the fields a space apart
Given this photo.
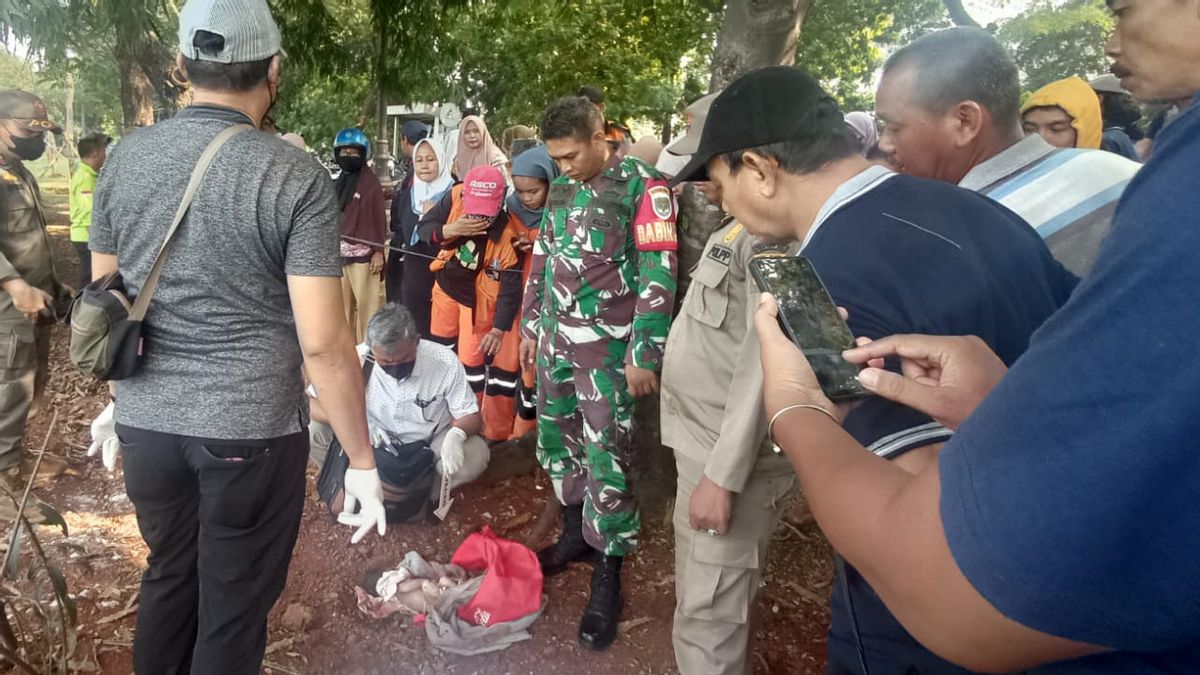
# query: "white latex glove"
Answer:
x=452 y=451
x=379 y=437
x=364 y=492
x=104 y=438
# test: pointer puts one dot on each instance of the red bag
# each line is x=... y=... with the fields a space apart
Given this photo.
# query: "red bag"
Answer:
x=512 y=583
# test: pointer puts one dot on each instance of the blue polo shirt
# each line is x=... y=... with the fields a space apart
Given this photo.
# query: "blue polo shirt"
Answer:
x=907 y=255
x=1071 y=497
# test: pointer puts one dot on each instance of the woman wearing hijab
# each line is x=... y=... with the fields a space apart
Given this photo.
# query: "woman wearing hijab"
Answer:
x=1066 y=114
x=476 y=147
x=478 y=289
x=364 y=229
x=409 y=281
x=532 y=173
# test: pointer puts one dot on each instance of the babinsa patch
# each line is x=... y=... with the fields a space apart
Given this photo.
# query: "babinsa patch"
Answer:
x=656 y=236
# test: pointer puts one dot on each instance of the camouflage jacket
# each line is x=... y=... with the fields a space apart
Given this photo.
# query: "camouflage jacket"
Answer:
x=602 y=287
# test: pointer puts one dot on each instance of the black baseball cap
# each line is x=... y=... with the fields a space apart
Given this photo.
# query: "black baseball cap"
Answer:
x=765 y=106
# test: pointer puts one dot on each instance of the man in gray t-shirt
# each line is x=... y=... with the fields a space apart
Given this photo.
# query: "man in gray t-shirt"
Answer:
x=213 y=427
x=222 y=360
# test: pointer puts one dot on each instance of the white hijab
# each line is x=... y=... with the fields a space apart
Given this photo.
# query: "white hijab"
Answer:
x=423 y=191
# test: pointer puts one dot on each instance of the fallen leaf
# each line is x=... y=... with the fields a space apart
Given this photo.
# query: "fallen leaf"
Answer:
x=296 y=617
x=804 y=593
x=626 y=626
x=280 y=644
x=117 y=616
x=519 y=521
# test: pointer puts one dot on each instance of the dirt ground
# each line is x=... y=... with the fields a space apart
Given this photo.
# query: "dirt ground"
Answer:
x=316 y=627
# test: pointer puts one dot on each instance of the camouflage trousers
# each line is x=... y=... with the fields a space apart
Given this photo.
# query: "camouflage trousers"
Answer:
x=585 y=423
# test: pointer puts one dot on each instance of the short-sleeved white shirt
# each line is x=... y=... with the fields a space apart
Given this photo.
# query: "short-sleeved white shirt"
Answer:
x=436 y=394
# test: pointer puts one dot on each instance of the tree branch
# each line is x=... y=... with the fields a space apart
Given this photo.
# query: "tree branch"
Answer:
x=959 y=14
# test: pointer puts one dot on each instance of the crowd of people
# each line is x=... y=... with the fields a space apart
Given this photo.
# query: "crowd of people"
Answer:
x=1016 y=495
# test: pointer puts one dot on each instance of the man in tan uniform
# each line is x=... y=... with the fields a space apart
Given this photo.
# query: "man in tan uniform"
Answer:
x=732 y=486
x=29 y=286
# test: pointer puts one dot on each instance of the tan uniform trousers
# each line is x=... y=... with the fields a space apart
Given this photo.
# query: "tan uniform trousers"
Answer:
x=24 y=366
x=362 y=296
x=476 y=454
x=717 y=577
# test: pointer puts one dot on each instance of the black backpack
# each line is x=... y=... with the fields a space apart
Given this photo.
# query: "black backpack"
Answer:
x=406 y=470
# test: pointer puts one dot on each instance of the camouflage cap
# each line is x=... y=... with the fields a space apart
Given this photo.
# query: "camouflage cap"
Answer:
x=24 y=107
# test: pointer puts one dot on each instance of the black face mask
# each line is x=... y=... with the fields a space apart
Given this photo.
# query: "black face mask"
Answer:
x=349 y=163
x=29 y=148
x=400 y=371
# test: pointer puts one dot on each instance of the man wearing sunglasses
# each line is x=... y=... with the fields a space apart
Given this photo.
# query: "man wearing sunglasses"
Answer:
x=29 y=286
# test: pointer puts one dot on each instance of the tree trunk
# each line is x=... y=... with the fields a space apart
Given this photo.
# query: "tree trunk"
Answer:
x=70 y=138
x=382 y=152
x=959 y=14
x=137 y=95
x=158 y=64
x=754 y=34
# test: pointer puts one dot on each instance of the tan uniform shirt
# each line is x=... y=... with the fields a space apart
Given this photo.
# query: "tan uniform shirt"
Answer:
x=712 y=410
x=24 y=243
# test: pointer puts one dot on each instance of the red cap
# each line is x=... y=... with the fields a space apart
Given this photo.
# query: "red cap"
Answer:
x=483 y=191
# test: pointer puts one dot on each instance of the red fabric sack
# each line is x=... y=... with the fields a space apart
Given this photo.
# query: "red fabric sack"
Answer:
x=512 y=583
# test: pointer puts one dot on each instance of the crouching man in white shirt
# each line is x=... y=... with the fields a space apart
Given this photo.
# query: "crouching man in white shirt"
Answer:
x=416 y=391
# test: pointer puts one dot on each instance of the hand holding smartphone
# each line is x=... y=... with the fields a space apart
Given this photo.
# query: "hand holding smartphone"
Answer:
x=810 y=318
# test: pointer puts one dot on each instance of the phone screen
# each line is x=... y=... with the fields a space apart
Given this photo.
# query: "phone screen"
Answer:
x=811 y=320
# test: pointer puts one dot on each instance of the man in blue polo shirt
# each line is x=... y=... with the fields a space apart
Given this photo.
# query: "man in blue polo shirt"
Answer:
x=902 y=255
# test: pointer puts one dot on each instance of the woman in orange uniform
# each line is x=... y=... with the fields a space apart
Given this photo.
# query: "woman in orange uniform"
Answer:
x=477 y=295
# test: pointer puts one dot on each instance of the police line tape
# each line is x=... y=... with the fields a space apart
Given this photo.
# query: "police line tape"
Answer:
x=407 y=252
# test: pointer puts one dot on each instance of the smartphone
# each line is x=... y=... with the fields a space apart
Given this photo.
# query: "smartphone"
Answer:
x=810 y=318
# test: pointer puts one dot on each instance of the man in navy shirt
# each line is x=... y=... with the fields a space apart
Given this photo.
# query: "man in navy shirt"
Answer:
x=902 y=255
x=1060 y=528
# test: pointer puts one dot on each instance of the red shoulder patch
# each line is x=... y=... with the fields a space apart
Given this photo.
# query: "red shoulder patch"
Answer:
x=654 y=225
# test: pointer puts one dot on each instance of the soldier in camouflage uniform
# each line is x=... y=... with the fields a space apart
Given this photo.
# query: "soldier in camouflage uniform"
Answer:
x=597 y=309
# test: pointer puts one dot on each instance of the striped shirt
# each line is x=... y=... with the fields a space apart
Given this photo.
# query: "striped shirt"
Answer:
x=1067 y=195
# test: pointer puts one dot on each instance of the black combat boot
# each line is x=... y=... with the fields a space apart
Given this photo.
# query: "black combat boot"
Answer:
x=570 y=546
x=598 y=628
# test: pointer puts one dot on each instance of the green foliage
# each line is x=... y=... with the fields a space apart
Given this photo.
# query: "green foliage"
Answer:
x=94 y=40
x=843 y=43
x=515 y=57
x=1054 y=40
x=332 y=71
x=509 y=58
x=317 y=107
x=15 y=73
x=326 y=76
x=506 y=57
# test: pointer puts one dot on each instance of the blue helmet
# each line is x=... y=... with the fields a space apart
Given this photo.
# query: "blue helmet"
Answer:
x=352 y=136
